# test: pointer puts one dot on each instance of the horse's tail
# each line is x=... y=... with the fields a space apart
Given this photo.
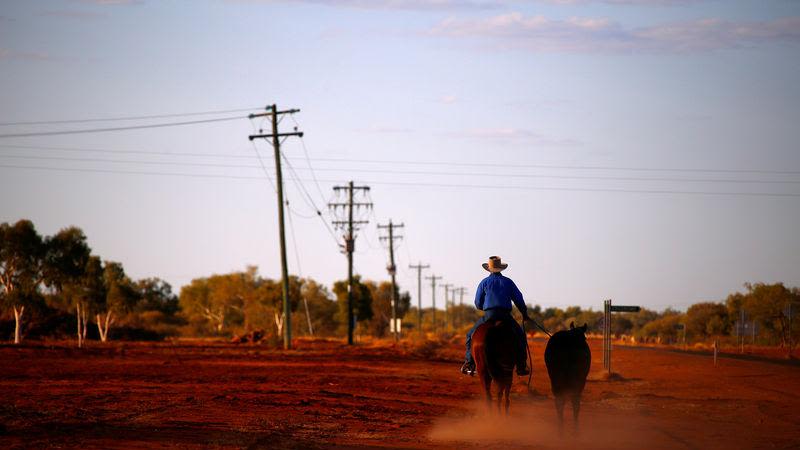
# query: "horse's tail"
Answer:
x=500 y=347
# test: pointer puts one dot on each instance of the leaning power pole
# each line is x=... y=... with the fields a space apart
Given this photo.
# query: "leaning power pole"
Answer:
x=446 y=300
x=392 y=271
x=461 y=292
x=433 y=279
x=273 y=112
x=419 y=268
x=350 y=226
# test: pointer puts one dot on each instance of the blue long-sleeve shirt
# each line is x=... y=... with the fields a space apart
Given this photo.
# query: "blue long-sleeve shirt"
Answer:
x=497 y=292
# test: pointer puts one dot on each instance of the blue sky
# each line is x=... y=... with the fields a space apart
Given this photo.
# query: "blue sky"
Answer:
x=483 y=117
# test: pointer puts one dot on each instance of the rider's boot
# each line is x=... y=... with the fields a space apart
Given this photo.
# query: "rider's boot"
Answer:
x=523 y=369
x=468 y=368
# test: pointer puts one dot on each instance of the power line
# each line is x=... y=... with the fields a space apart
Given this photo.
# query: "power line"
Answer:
x=308 y=161
x=300 y=187
x=402 y=172
x=435 y=163
x=133 y=161
x=131 y=172
x=548 y=166
x=124 y=152
x=104 y=130
x=263 y=167
x=121 y=118
x=422 y=184
x=297 y=181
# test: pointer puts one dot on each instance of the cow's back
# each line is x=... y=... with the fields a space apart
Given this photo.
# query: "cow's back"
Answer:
x=568 y=359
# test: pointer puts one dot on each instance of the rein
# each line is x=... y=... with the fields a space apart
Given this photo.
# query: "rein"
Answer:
x=540 y=327
x=528 y=348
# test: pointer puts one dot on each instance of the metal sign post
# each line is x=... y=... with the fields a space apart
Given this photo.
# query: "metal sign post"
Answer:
x=607 y=310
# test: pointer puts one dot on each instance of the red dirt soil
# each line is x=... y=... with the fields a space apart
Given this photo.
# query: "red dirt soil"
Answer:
x=326 y=395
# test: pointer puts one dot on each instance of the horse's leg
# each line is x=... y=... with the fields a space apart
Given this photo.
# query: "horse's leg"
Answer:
x=487 y=387
x=576 y=409
x=507 y=392
x=560 y=413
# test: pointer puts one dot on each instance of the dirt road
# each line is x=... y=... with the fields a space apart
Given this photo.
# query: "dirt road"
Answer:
x=326 y=395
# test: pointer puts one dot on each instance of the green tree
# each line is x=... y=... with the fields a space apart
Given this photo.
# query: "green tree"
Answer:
x=770 y=305
x=66 y=261
x=87 y=294
x=67 y=254
x=264 y=301
x=213 y=304
x=705 y=320
x=121 y=297
x=322 y=310
x=157 y=308
x=21 y=252
x=382 y=306
x=664 y=329
x=362 y=301
x=222 y=304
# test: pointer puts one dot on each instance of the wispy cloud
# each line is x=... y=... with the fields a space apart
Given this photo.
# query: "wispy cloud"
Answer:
x=384 y=129
x=621 y=2
x=518 y=135
x=450 y=5
x=402 y=5
x=113 y=2
x=577 y=34
x=7 y=54
x=73 y=14
x=448 y=99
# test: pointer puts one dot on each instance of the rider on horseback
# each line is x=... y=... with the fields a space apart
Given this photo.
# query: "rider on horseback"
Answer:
x=494 y=296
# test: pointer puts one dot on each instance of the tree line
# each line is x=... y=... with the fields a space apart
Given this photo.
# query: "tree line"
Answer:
x=764 y=314
x=53 y=286
x=44 y=280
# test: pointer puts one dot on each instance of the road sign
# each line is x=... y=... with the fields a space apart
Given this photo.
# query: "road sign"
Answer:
x=620 y=308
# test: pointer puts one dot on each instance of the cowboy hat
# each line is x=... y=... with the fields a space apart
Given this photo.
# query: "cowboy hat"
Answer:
x=494 y=265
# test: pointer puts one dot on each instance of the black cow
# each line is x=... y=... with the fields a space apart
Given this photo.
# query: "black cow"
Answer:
x=568 y=359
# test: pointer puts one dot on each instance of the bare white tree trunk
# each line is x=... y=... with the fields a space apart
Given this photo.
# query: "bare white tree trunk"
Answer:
x=308 y=318
x=18 y=323
x=80 y=335
x=279 y=323
x=217 y=317
x=103 y=330
x=85 y=322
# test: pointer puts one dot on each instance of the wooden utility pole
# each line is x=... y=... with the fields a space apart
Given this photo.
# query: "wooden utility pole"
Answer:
x=392 y=271
x=433 y=279
x=350 y=241
x=446 y=297
x=419 y=268
x=461 y=292
x=276 y=143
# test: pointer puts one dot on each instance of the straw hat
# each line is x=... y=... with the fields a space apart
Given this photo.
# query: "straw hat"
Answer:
x=494 y=265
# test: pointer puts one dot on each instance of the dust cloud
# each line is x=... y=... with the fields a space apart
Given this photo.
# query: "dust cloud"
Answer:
x=533 y=424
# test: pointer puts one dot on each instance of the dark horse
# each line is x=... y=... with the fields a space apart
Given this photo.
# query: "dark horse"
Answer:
x=493 y=347
x=568 y=359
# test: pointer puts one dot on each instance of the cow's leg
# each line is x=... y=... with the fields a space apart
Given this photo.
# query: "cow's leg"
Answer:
x=560 y=413
x=576 y=409
x=507 y=392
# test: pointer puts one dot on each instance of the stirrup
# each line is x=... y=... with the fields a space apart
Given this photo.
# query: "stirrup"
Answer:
x=468 y=369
